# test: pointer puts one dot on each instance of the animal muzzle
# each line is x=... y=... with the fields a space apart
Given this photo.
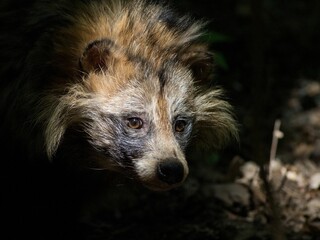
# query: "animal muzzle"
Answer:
x=171 y=171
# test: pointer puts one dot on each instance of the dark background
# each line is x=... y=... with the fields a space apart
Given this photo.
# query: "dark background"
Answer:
x=271 y=45
x=264 y=48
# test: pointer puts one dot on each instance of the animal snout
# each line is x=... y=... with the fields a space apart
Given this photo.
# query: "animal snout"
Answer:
x=170 y=171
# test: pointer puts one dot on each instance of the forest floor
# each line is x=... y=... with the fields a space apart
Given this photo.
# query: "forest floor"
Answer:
x=236 y=204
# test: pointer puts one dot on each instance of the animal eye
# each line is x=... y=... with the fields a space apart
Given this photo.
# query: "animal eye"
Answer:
x=180 y=125
x=135 y=123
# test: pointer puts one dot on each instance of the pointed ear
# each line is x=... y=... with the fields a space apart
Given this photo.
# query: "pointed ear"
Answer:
x=200 y=61
x=96 y=56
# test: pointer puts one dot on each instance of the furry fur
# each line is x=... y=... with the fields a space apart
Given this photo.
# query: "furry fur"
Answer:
x=77 y=73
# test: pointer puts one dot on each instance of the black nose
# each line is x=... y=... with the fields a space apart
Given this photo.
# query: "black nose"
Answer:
x=170 y=171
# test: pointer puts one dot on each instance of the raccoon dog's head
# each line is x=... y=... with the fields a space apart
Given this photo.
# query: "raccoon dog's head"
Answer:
x=140 y=104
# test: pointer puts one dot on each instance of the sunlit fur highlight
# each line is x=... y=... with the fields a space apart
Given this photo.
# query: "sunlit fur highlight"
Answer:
x=147 y=66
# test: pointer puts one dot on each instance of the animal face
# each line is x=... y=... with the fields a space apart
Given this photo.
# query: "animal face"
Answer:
x=148 y=125
x=134 y=95
x=139 y=121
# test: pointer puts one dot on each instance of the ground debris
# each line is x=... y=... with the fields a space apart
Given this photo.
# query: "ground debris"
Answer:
x=293 y=174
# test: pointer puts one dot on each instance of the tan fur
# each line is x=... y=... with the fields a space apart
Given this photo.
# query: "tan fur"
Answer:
x=106 y=62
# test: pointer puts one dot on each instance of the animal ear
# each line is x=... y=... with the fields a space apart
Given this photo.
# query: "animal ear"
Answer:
x=202 y=67
x=96 y=56
x=201 y=63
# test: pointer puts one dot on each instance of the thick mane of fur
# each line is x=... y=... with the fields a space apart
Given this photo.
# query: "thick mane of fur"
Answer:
x=121 y=86
x=141 y=30
x=42 y=78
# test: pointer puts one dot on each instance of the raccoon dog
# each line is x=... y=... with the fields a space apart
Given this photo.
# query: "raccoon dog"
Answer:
x=107 y=84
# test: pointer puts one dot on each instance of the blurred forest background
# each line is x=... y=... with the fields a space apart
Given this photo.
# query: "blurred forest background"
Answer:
x=265 y=49
x=267 y=59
